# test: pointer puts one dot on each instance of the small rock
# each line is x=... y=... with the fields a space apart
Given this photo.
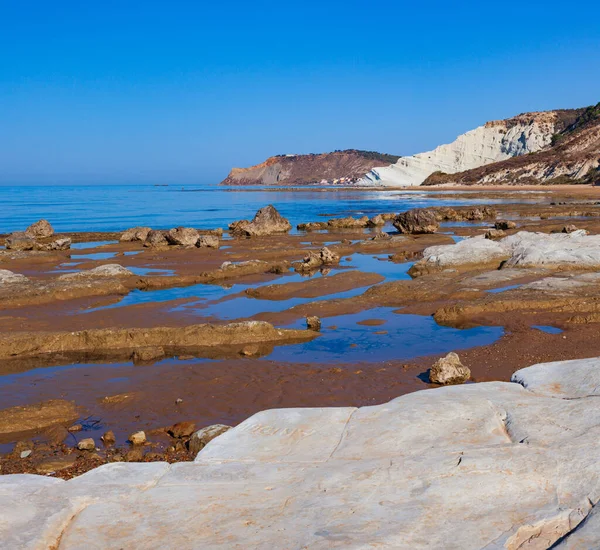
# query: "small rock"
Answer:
x=135 y=234
x=202 y=437
x=19 y=241
x=495 y=234
x=138 y=438
x=208 y=241
x=313 y=323
x=417 y=220
x=505 y=224
x=151 y=353
x=381 y=236
x=75 y=428
x=569 y=228
x=178 y=401
x=181 y=429
x=250 y=350
x=25 y=454
x=87 y=444
x=183 y=236
x=108 y=438
x=134 y=455
x=328 y=257
x=40 y=230
x=449 y=370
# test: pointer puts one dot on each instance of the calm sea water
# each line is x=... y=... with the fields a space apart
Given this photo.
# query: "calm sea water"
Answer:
x=117 y=207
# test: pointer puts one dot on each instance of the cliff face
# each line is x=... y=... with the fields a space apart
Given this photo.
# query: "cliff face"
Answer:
x=495 y=141
x=341 y=167
x=573 y=156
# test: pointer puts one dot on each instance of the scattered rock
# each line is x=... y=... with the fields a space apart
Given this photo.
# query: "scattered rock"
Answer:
x=135 y=234
x=143 y=355
x=25 y=454
x=19 y=240
x=107 y=270
x=181 y=429
x=156 y=239
x=75 y=428
x=40 y=230
x=138 y=438
x=417 y=221
x=208 y=241
x=178 y=401
x=495 y=234
x=183 y=236
x=250 y=350
x=204 y=436
x=64 y=243
x=313 y=323
x=504 y=225
x=109 y=438
x=87 y=444
x=314 y=260
x=449 y=370
x=135 y=455
x=569 y=228
x=266 y=222
x=8 y=277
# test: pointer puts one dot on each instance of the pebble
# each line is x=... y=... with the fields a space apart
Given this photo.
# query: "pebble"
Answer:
x=25 y=454
x=87 y=444
x=138 y=438
x=75 y=428
x=108 y=438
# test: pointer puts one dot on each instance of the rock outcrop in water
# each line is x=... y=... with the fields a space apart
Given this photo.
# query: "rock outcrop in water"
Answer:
x=494 y=141
x=339 y=167
x=267 y=221
x=487 y=465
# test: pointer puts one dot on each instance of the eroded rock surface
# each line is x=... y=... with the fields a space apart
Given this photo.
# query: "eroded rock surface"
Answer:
x=40 y=230
x=267 y=221
x=487 y=465
x=135 y=234
x=417 y=221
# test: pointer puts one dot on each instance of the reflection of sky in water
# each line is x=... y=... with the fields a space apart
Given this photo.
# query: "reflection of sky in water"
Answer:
x=503 y=289
x=548 y=329
x=96 y=256
x=150 y=271
x=84 y=246
x=408 y=336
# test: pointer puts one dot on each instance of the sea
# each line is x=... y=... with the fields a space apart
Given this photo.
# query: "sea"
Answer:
x=118 y=207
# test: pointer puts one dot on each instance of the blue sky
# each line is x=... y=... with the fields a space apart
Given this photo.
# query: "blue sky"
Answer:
x=179 y=92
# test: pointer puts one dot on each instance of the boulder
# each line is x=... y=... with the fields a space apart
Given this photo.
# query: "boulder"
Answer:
x=183 y=236
x=135 y=234
x=107 y=270
x=40 y=230
x=208 y=241
x=504 y=225
x=8 y=277
x=19 y=240
x=416 y=221
x=64 y=243
x=267 y=221
x=495 y=234
x=87 y=444
x=204 y=436
x=137 y=438
x=313 y=323
x=156 y=239
x=181 y=429
x=449 y=370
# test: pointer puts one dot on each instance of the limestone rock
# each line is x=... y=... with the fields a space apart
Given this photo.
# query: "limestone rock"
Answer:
x=135 y=234
x=505 y=224
x=87 y=444
x=348 y=223
x=376 y=221
x=38 y=416
x=19 y=240
x=208 y=241
x=181 y=429
x=107 y=270
x=138 y=438
x=569 y=228
x=64 y=243
x=8 y=277
x=40 y=230
x=313 y=323
x=417 y=221
x=495 y=234
x=314 y=260
x=449 y=370
x=142 y=355
x=183 y=236
x=267 y=221
x=204 y=436
x=156 y=239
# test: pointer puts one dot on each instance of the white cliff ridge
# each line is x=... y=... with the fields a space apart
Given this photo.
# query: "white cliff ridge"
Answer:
x=495 y=141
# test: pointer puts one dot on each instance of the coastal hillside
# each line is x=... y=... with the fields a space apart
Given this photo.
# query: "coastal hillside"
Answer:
x=495 y=141
x=573 y=156
x=338 y=167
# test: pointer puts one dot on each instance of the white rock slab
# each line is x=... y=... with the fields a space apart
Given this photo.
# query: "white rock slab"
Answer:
x=478 y=466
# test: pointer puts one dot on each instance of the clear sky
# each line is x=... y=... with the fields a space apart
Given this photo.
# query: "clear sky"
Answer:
x=179 y=92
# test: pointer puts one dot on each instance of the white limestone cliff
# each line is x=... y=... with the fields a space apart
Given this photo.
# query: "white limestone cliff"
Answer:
x=495 y=141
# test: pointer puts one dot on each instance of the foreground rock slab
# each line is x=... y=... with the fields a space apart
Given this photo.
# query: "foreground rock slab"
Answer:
x=488 y=465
